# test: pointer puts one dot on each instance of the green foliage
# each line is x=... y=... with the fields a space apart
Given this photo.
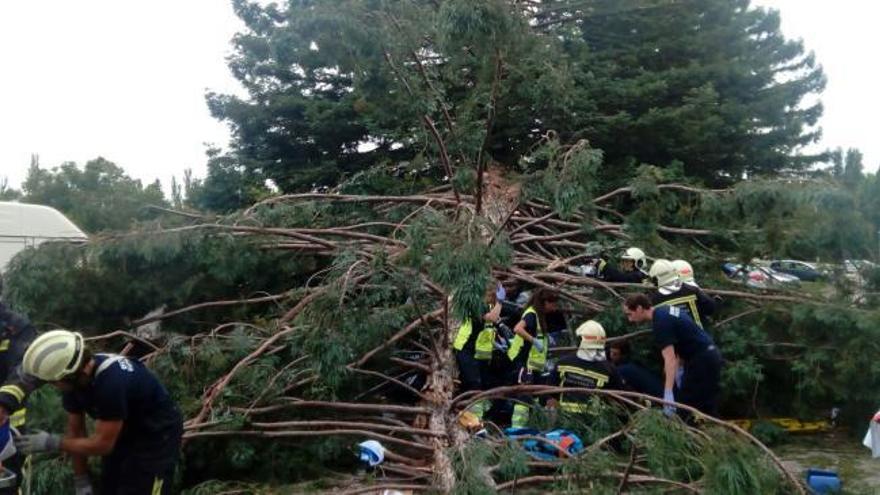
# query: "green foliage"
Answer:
x=670 y=450
x=470 y=464
x=732 y=466
x=568 y=176
x=98 y=197
x=131 y=275
x=768 y=433
x=456 y=255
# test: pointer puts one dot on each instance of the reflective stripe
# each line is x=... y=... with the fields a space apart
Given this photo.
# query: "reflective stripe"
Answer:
x=13 y=390
x=4 y=345
x=537 y=359
x=577 y=406
x=18 y=418
x=111 y=358
x=464 y=333
x=689 y=301
x=157 y=486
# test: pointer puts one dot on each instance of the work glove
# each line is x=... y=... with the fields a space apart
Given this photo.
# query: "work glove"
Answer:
x=500 y=293
x=539 y=345
x=37 y=442
x=500 y=345
x=679 y=373
x=82 y=485
x=668 y=410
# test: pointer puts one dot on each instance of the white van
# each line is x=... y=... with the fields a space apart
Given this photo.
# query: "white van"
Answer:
x=23 y=225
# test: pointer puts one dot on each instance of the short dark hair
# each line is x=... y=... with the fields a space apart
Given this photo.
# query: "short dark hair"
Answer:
x=635 y=301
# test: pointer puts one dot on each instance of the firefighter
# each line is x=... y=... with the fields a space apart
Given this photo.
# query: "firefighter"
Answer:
x=632 y=268
x=16 y=334
x=473 y=346
x=529 y=346
x=681 y=340
x=587 y=368
x=137 y=430
x=670 y=290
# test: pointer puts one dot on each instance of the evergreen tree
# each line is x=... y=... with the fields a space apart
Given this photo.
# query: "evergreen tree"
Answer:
x=97 y=197
x=710 y=83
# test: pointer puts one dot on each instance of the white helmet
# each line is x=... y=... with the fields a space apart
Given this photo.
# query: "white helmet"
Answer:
x=663 y=273
x=635 y=254
x=54 y=355
x=592 y=335
x=684 y=270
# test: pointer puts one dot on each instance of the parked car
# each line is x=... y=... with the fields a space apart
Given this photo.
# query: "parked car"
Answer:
x=803 y=271
x=759 y=277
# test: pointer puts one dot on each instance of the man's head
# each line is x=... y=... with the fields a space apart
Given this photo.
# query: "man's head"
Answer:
x=58 y=357
x=632 y=259
x=618 y=352
x=638 y=308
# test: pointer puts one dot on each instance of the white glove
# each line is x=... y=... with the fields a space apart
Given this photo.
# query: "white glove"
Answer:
x=668 y=410
x=82 y=485
x=38 y=441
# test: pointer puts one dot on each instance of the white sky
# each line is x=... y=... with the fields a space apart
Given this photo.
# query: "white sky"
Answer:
x=126 y=80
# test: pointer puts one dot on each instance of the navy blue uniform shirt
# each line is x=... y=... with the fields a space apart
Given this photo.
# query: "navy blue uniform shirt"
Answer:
x=126 y=390
x=674 y=327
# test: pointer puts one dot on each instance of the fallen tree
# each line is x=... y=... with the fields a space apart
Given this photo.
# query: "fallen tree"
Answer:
x=326 y=358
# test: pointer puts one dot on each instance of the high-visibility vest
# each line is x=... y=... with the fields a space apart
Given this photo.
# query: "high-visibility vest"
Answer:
x=485 y=339
x=576 y=376
x=537 y=359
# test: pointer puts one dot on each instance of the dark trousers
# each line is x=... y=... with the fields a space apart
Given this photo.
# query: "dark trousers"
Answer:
x=701 y=383
x=472 y=372
x=137 y=472
x=640 y=379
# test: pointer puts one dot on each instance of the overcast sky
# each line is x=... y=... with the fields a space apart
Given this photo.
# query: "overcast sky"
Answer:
x=126 y=80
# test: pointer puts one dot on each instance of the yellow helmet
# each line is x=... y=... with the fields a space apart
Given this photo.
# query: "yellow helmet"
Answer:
x=54 y=355
x=684 y=270
x=635 y=254
x=592 y=335
x=663 y=273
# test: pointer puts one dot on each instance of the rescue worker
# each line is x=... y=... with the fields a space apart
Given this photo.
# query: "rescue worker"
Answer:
x=671 y=291
x=680 y=338
x=529 y=346
x=632 y=268
x=587 y=368
x=138 y=428
x=634 y=376
x=16 y=334
x=473 y=346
